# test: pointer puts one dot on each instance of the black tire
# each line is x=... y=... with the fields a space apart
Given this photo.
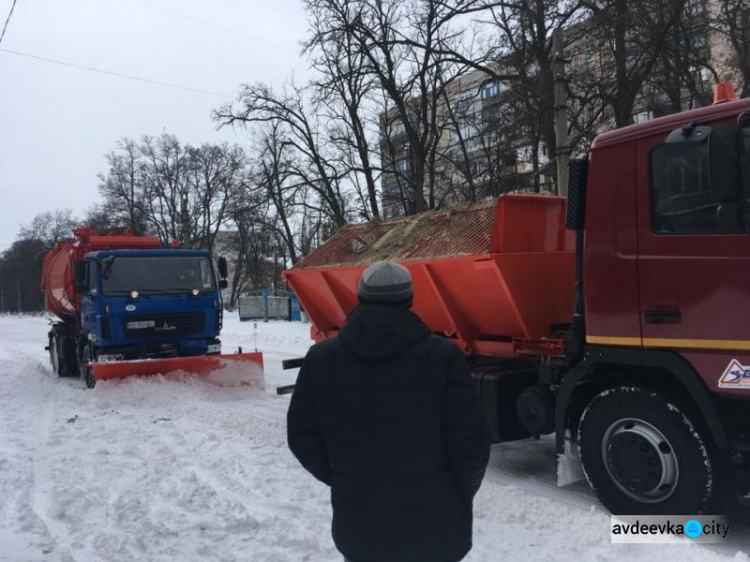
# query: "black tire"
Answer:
x=642 y=455
x=62 y=353
x=54 y=354
x=88 y=354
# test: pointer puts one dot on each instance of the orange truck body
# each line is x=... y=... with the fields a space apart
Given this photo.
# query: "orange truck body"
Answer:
x=496 y=278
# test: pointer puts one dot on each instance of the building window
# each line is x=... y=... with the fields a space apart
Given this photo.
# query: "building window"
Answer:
x=586 y=57
x=465 y=131
x=478 y=167
x=642 y=116
x=395 y=128
x=401 y=165
x=489 y=89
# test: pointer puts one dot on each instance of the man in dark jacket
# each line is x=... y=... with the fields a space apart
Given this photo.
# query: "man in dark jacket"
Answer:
x=385 y=414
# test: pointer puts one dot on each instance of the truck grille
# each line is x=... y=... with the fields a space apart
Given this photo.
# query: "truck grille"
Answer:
x=161 y=325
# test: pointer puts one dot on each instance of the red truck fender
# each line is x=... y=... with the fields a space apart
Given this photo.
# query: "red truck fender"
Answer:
x=666 y=362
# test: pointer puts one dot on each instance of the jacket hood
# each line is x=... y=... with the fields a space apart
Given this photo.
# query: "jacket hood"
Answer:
x=376 y=331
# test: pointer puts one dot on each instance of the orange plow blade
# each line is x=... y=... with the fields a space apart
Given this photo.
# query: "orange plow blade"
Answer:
x=231 y=369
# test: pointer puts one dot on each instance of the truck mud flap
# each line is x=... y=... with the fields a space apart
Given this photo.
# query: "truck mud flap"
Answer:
x=235 y=369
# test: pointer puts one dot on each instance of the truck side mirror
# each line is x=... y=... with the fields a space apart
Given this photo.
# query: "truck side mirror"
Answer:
x=80 y=274
x=578 y=170
x=223 y=283
x=223 y=270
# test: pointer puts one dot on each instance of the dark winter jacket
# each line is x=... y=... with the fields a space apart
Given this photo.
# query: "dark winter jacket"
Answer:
x=386 y=414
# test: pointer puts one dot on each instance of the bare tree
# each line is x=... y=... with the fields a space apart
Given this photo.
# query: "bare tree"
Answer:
x=165 y=185
x=176 y=191
x=122 y=187
x=632 y=36
x=272 y=176
x=49 y=227
x=344 y=91
x=525 y=28
x=312 y=166
x=410 y=50
x=249 y=245
x=217 y=173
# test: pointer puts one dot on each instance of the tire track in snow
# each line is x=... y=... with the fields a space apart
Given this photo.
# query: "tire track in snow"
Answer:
x=265 y=437
x=258 y=508
x=41 y=480
x=40 y=470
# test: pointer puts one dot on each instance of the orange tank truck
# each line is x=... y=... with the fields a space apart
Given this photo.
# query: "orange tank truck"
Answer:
x=127 y=306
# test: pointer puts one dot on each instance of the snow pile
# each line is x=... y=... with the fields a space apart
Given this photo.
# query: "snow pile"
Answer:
x=162 y=469
x=238 y=373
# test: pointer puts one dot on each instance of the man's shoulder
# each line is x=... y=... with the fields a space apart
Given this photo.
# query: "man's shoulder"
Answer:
x=323 y=348
x=438 y=346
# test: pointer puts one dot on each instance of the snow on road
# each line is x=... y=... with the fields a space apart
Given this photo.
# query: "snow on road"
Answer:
x=177 y=469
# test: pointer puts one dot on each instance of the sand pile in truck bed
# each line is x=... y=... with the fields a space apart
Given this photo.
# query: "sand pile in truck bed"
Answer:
x=458 y=231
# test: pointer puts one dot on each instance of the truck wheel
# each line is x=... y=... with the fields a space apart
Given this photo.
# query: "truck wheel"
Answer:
x=87 y=374
x=643 y=456
x=54 y=355
x=62 y=354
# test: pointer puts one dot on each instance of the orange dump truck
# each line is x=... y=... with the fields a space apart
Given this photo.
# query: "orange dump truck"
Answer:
x=495 y=278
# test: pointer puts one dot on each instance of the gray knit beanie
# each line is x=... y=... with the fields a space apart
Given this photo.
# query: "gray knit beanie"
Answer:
x=387 y=283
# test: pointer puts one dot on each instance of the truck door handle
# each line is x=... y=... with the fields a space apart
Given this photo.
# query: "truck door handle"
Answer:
x=662 y=314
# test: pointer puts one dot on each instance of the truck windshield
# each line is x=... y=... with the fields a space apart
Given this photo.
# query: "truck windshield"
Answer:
x=156 y=274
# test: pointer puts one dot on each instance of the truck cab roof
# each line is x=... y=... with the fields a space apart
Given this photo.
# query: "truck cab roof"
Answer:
x=711 y=113
x=156 y=252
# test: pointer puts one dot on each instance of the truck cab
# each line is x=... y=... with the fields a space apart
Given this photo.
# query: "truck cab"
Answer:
x=659 y=403
x=149 y=303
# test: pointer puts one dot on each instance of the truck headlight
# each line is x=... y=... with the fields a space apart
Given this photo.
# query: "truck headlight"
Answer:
x=214 y=348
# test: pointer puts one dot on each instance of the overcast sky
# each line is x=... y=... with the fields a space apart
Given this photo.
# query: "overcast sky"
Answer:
x=58 y=122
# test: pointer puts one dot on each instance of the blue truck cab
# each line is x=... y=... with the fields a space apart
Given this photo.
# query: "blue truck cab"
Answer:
x=150 y=303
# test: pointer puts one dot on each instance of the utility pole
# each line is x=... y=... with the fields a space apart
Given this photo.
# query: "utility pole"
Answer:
x=184 y=223
x=561 y=110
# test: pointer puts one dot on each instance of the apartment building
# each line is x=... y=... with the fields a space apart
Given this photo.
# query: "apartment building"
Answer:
x=487 y=145
x=481 y=140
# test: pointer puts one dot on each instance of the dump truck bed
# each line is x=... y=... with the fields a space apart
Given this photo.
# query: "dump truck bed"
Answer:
x=484 y=275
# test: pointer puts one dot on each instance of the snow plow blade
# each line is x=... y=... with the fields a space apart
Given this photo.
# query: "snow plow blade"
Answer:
x=234 y=369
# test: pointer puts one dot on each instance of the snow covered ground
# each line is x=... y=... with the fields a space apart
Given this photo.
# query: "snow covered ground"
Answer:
x=175 y=469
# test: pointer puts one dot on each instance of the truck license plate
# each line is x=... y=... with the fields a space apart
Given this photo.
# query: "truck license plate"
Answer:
x=140 y=325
